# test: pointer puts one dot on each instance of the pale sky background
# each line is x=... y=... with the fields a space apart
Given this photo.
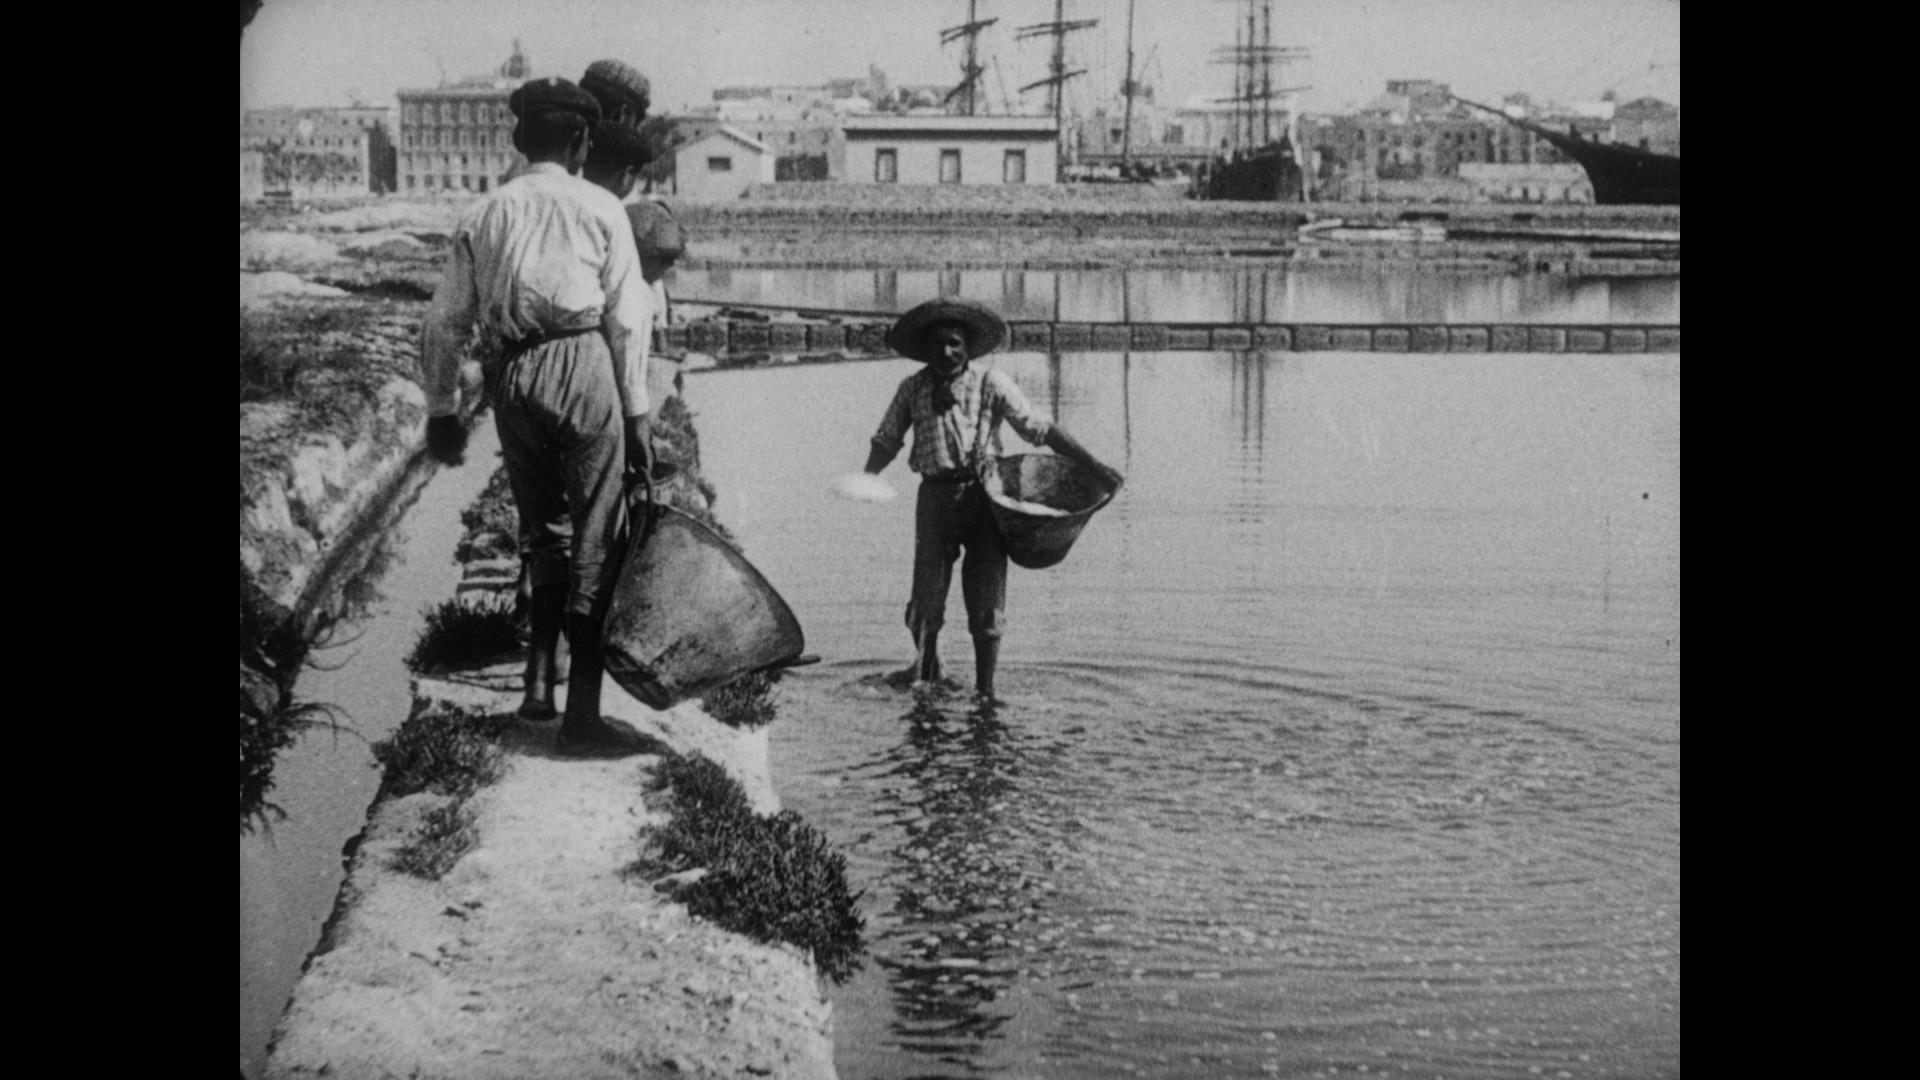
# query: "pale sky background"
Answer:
x=317 y=52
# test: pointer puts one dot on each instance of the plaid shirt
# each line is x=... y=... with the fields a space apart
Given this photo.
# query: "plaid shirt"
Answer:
x=943 y=440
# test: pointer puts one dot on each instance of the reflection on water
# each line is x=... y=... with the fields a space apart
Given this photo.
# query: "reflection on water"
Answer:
x=1242 y=295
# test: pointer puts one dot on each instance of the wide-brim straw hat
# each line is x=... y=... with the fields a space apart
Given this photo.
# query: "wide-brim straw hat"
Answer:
x=986 y=330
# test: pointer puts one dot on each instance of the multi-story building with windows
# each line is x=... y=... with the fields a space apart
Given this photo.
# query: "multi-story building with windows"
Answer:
x=321 y=151
x=459 y=137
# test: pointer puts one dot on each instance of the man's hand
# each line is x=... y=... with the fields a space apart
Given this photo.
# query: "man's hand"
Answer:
x=447 y=439
x=639 y=436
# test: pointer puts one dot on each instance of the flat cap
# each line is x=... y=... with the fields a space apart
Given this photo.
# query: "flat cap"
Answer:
x=623 y=80
x=618 y=146
x=553 y=95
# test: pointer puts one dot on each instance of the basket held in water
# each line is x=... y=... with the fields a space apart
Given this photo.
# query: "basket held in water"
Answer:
x=1041 y=502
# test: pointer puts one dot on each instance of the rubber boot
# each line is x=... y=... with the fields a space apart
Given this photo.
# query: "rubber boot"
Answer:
x=583 y=731
x=546 y=611
x=986 y=658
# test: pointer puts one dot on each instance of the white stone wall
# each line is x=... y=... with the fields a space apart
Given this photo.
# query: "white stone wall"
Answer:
x=982 y=160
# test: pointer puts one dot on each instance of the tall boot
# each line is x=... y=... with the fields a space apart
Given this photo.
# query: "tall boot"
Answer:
x=583 y=731
x=546 y=611
x=986 y=658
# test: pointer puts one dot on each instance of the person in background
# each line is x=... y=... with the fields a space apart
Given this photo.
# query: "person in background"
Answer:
x=546 y=266
x=618 y=155
x=625 y=96
x=623 y=93
x=954 y=406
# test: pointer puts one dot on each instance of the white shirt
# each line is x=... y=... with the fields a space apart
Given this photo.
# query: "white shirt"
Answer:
x=547 y=251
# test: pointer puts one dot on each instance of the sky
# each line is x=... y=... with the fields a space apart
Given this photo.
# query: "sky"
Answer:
x=322 y=52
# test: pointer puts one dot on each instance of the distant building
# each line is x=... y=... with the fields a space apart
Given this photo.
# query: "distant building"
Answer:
x=721 y=164
x=253 y=180
x=1495 y=182
x=321 y=151
x=460 y=137
x=1648 y=123
x=972 y=150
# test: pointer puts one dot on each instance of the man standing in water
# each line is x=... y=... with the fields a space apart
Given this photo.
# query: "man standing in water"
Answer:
x=546 y=265
x=954 y=407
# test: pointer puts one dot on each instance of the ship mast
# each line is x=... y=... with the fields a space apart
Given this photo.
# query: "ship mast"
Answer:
x=970 y=73
x=1058 y=75
x=1254 y=57
x=1056 y=82
x=1126 y=88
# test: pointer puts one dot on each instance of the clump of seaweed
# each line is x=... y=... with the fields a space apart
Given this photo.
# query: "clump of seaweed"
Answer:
x=770 y=878
x=459 y=634
x=448 y=752
x=445 y=752
x=745 y=703
x=446 y=833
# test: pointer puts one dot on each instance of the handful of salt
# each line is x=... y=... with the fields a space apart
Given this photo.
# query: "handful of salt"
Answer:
x=1032 y=509
x=863 y=487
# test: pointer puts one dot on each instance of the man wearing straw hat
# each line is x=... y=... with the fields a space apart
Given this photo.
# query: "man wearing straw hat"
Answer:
x=546 y=265
x=954 y=406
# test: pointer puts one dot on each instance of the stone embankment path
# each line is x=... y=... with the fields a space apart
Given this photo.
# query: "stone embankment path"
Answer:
x=535 y=956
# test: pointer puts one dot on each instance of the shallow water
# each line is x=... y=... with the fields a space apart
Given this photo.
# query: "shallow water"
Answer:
x=1289 y=294
x=1347 y=737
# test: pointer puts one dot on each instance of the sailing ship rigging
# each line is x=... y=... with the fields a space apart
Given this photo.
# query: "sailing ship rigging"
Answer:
x=1255 y=164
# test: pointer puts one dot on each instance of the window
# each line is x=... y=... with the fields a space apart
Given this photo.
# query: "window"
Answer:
x=949 y=166
x=1014 y=169
x=410 y=179
x=413 y=114
x=886 y=166
x=1176 y=134
x=483 y=185
x=719 y=164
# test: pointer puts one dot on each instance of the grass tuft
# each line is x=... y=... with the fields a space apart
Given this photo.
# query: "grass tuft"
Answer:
x=448 y=753
x=446 y=833
x=773 y=879
x=459 y=634
x=491 y=524
x=745 y=703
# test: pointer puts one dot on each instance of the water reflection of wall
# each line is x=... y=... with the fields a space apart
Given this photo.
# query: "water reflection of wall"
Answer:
x=1243 y=295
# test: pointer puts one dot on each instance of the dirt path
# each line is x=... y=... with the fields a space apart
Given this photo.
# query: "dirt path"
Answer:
x=534 y=957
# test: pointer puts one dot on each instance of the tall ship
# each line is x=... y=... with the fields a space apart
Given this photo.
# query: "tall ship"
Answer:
x=1258 y=161
x=1620 y=175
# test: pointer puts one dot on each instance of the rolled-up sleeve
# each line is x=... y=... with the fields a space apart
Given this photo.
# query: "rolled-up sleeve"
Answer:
x=628 y=316
x=1032 y=424
x=892 y=434
x=443 y=336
